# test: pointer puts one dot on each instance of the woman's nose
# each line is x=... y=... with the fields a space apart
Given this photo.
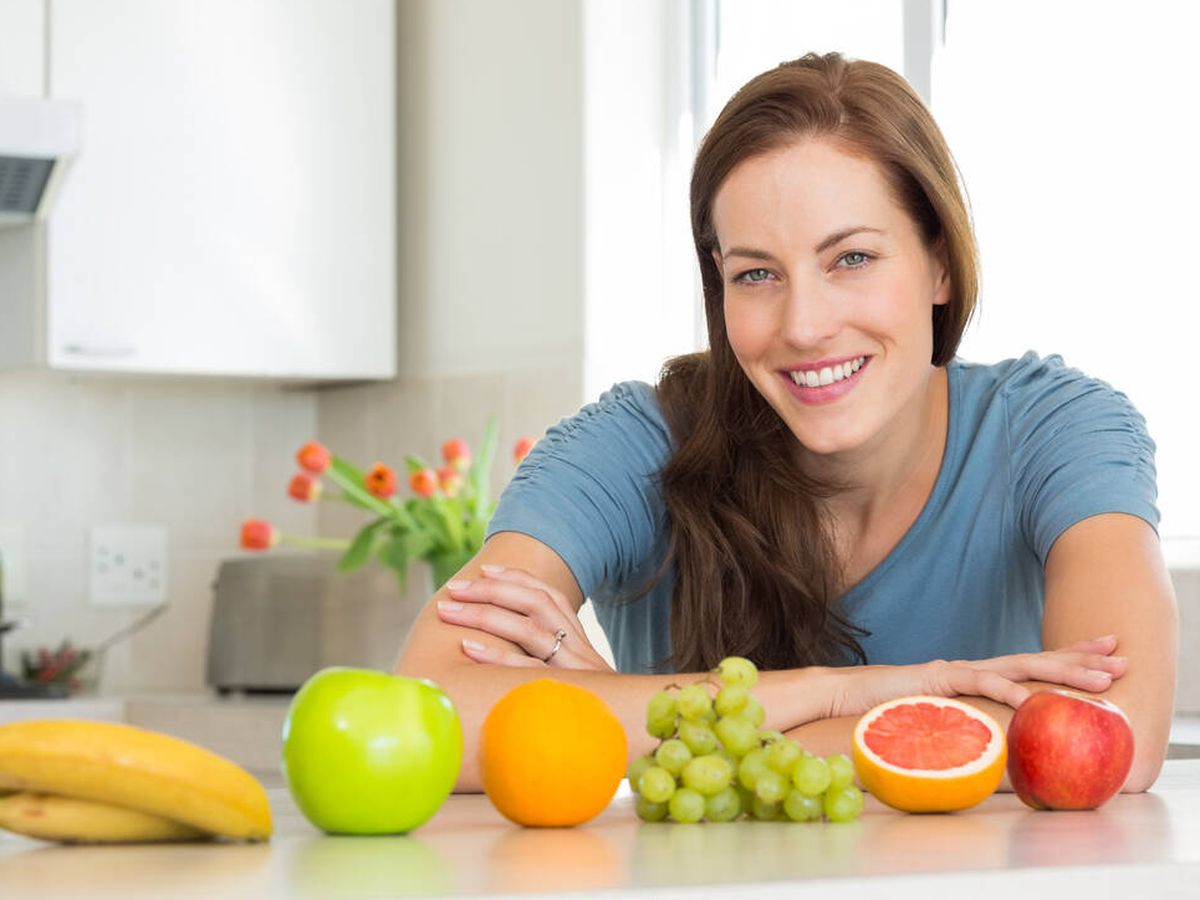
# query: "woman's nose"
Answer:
x=810 y=315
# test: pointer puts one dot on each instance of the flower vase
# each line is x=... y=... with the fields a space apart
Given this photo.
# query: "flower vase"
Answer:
x=445 y=565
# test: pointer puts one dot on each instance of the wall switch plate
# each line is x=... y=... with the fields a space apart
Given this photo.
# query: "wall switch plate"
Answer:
x=13 y=563
x=128 y=565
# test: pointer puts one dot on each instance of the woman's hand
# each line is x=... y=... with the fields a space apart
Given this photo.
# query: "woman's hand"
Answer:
x=514 y=605
x=1087 y=666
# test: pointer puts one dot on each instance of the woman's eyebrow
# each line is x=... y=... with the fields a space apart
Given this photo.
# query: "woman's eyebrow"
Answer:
x=837 y=237
x=843 y=233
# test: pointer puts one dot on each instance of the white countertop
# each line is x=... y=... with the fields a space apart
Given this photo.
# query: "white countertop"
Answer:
x=1145 y=845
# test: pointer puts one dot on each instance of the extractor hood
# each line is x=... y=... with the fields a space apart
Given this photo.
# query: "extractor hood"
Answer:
x=38 y=139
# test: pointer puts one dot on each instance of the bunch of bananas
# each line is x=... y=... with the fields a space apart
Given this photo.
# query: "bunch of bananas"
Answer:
x=102 y=782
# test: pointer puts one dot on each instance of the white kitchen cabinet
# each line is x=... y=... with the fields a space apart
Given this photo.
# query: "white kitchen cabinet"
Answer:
x=232 y=211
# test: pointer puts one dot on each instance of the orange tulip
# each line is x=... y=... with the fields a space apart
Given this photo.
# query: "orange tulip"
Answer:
x=522 y=448
x=381 y=481
x=304 y=488
x=259 y=534
x=314 y=458
x=424 y=483
x=450 y=480
x=456 y=453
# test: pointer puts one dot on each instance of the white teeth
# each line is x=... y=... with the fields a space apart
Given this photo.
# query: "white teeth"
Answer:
x=827 y=375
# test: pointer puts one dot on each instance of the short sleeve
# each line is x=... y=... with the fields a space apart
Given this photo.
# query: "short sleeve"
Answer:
x=590 y=488
x=1078 y=448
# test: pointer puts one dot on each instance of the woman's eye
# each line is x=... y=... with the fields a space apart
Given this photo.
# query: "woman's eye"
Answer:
x=853 y=260
x=754 y=275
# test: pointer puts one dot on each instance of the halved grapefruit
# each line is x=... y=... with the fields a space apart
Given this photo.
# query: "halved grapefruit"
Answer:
x=929 y=754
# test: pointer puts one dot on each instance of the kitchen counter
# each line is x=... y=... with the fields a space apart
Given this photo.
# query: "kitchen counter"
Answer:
x=1145 y=845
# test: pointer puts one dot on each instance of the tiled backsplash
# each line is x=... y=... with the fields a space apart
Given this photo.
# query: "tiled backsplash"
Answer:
x=193 y=455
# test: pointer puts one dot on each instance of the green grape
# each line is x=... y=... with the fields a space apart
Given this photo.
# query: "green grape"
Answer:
x=687 y=805
x=771 y=787
x=730 y=699
x=660 y=706
x=739 y=671
x=811 y=775
x=746 y=797
x=764 y=811
x=723 y=806
x=650 y=812
x=693 y=702
x=657 y=784
x=737 y=735
x=637 y=768
x=783 y=755
x=707 y=774
x=752 y=765
x=769 y=736
x=672 y=755
x=843 y=804
x=700 y=739
x=661 y=728
x=841 y=771
x=752 y=712
x=802 y=807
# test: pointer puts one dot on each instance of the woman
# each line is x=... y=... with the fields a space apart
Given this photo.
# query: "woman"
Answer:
x=827 y=490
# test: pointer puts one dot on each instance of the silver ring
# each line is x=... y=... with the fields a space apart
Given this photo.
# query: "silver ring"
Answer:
x=558 y=639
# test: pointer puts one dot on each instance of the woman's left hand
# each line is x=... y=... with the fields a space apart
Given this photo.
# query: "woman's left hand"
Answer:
x=514 y=605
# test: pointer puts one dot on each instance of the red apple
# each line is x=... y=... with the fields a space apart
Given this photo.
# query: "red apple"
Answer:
x=1068 y=751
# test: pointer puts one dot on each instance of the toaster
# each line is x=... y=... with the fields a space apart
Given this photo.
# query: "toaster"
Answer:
x=278 y=619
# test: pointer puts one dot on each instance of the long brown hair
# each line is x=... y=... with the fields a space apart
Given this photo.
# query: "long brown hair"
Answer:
x=752 y=549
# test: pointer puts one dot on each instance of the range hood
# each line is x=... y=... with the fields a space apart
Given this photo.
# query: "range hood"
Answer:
x=38 y=139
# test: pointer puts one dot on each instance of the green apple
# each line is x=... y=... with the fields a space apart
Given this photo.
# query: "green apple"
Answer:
x=365 y=752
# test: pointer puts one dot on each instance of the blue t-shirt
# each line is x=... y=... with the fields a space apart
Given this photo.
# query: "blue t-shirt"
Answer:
x=1032 y=447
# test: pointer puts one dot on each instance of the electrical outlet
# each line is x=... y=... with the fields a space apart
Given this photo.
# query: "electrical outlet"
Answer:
x=13 y=563
x=128 y=565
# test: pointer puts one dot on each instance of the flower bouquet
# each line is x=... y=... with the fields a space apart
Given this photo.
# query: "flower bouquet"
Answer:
x=443 y=522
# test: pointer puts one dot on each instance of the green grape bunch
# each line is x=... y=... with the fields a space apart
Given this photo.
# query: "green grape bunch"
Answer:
x=716 y=763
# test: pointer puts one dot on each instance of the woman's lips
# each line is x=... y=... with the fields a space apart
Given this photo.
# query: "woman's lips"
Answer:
x=825 y=393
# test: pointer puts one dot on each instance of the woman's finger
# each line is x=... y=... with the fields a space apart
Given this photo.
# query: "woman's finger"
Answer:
x=529 y=602
x=967 y=681
x=521 y=577
x=497 y=657
x=514 y=627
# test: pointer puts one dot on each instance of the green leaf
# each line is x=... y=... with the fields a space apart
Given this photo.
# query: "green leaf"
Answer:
x=352 y=481
x=479 y=476
x=414 y=464
x=394 y=554
x=360 y=548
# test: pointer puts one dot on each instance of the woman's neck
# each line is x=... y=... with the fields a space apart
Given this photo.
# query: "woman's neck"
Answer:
x=891 y=478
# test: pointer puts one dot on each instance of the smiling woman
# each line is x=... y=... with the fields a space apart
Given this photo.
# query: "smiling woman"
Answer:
x=827 y=490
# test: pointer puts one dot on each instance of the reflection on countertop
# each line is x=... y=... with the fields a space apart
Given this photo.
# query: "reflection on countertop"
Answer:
x=1136 y=845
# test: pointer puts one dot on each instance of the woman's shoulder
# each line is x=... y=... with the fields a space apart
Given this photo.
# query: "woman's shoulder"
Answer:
x=627 y=411
x=1032 y=382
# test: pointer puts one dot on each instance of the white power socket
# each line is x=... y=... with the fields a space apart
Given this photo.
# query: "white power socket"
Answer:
x=128 y=565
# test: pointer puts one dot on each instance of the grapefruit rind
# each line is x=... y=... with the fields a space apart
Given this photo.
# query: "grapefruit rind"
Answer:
x=931 y=790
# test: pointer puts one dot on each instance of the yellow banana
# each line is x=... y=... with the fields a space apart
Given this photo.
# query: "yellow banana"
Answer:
x=49 y=817
x=136 y=769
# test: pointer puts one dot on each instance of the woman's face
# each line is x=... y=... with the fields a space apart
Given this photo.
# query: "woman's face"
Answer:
x=829 y=292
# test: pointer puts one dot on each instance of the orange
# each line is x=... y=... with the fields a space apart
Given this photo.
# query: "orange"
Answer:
x=929 y=754
x=551 y=753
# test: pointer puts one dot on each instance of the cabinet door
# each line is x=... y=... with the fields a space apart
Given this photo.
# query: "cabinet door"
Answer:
x=233 y=208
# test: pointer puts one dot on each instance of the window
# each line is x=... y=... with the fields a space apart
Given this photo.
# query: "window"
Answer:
x=1073 y=125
